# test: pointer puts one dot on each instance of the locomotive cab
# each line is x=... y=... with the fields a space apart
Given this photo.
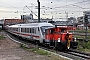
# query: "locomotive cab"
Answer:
x=60 y=38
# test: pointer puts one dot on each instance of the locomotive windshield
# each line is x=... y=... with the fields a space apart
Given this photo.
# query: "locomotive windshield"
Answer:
x=45 y=27
x=63 y=30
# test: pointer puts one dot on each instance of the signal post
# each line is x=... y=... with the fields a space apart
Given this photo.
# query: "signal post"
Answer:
x=86 y=21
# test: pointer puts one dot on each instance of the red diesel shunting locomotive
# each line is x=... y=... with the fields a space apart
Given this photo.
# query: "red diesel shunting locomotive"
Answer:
x=60 y=38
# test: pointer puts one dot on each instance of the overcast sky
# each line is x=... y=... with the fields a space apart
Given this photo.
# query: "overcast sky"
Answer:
x=49 y=8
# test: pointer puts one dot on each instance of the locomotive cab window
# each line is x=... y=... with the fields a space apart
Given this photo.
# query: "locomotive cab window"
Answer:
x=45 y=27
x=63 y=30
x=46 y=31
x=51 y=31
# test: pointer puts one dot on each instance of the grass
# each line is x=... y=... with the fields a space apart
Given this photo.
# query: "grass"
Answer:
x=35 y=49
x=84 y=46
x=1 y=37
x=42 y=52
x=39 y=51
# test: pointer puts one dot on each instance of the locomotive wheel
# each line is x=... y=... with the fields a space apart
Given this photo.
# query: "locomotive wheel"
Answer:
x=74 y=47
x=59 y=46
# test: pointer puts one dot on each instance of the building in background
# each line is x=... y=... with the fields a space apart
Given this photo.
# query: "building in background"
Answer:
x=12 y=21
x=27 y=18
x=1 y=23
x=6 y=22
x=81 y=20
x=30 y=19
x=88 y=15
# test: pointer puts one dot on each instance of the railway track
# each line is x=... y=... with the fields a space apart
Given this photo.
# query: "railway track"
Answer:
x=81 y=34
x=72 y=54
x=79 y=54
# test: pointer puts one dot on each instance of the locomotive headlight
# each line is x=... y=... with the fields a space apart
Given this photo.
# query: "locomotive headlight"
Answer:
x=75 y=39
x=67 y=32
x=58 y=39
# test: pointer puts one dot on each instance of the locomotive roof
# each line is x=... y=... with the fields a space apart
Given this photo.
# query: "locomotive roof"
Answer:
x=32 y=25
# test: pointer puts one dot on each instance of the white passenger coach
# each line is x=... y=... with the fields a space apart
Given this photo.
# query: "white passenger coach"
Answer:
x=30 y=31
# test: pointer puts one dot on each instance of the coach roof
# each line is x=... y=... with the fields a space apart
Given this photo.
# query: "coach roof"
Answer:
x=32 y=25
x=36 y=24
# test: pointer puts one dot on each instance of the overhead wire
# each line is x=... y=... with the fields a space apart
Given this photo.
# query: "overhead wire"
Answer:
x=55 y=7
x=73 y=4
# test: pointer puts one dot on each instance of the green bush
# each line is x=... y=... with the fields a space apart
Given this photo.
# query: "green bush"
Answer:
x=86 y=45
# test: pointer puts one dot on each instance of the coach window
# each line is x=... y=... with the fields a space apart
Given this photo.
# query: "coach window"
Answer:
x=27 y=30
x=16 y=29
x=35 y=30
x=10 y=28
x=13 y=29
x=38 y=29
x=30 y=30
x=22 y=29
